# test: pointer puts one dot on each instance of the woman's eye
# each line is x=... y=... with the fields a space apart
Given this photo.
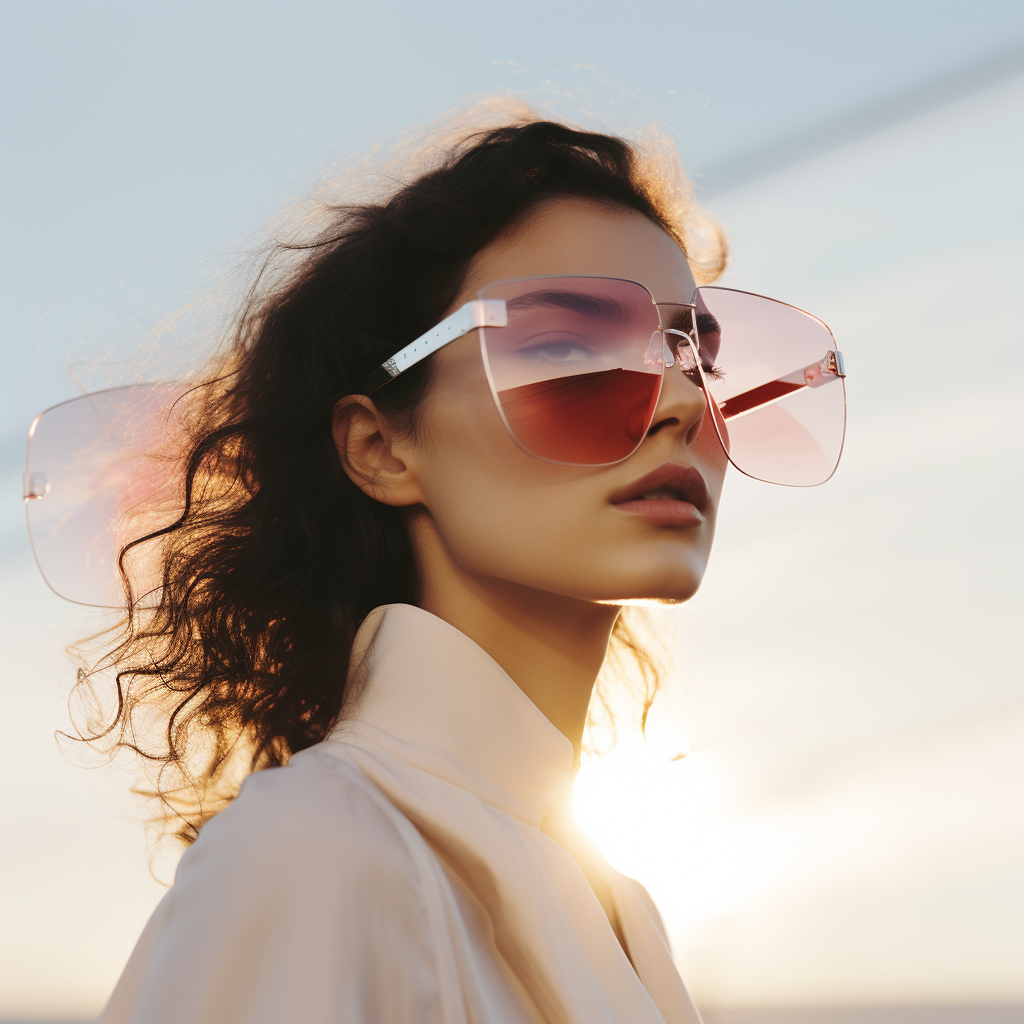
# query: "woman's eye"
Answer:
x=711 y=373
x=558 y=350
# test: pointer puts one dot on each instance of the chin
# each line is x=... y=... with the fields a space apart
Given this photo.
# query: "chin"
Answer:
x=662 y=596
x=658 y=588
x=663 y=577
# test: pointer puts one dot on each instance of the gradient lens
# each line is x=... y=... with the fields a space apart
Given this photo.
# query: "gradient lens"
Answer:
x=781 y=403
x=101 y=472
x=570 y=371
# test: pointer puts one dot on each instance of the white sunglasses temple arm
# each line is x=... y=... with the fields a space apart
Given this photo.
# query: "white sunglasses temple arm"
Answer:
x=476 y=313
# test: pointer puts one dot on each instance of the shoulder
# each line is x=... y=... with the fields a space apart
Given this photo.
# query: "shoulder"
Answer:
x=318 y=820
x=283 y=907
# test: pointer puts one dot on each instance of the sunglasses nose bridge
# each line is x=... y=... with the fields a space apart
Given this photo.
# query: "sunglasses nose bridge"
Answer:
x=679 y=349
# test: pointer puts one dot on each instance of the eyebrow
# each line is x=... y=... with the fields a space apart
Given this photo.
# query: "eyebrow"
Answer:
x=577 y=302
x=707 y=324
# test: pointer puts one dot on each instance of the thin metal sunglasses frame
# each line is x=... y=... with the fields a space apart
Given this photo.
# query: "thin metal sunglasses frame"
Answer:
x=492 y=313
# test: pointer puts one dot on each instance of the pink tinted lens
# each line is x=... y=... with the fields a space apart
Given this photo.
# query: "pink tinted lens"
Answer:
x=101 y=471
x=781 y=403
x=570 y=371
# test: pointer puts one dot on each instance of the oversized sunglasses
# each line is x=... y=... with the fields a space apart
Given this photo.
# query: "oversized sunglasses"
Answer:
x=575 y=366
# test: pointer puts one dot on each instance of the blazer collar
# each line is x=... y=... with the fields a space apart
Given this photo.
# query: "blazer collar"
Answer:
x=429 y=695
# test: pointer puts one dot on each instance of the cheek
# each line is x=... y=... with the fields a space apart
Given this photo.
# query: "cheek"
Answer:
x=498 y=511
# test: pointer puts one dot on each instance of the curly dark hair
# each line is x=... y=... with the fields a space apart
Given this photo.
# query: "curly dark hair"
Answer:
x=277 y=556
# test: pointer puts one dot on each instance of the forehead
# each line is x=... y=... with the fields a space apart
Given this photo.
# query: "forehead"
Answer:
x=573 y=237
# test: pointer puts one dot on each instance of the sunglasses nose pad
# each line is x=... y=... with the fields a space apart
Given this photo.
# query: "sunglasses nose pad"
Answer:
x=685 y=355
x=658 y=351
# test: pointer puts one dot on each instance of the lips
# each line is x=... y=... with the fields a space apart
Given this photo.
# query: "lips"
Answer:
x=672 y=494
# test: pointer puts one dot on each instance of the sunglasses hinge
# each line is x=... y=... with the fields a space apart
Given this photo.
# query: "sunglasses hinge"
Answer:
x=834 y=363
x=488 y=313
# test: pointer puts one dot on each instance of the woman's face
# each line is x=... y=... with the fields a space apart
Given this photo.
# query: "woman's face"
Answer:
x=571 y=531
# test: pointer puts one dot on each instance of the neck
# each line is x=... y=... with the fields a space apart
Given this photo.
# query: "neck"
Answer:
x=552 y=646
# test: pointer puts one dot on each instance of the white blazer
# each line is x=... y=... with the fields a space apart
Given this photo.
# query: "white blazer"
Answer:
x=396 y=873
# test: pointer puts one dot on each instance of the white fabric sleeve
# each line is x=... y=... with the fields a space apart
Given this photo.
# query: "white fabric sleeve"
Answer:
x=301 y=901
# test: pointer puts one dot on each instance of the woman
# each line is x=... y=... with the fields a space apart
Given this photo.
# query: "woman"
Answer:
x=471 y=423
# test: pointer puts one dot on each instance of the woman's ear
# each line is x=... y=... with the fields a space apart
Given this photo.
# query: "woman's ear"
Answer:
x=366 y=445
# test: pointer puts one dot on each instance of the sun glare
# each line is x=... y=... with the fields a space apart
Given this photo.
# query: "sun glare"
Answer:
x=665 y=823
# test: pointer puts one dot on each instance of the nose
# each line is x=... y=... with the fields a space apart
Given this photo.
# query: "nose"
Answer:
x=682 y=405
